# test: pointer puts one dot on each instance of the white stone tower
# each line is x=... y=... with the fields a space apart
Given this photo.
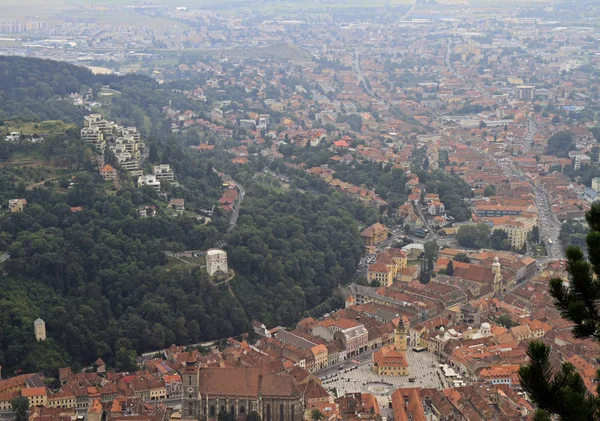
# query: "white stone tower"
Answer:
x=39 y=329
x=216 y=260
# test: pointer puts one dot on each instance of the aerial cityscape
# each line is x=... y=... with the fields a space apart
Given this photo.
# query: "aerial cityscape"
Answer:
x=287 y=210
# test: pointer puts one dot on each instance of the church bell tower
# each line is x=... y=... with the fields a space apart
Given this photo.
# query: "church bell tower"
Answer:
x=190 y=379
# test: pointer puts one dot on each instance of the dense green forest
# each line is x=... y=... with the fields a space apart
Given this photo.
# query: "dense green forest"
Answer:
x=31 y=90
x=100 y=278
x=292 y=250
x=35 y=90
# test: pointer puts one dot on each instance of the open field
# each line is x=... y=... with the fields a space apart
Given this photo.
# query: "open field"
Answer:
x=283 y=51
x=50 y=127
x=269 y=182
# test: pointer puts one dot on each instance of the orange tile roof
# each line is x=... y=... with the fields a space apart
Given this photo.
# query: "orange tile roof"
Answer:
x=107 y=168
x=33 y=391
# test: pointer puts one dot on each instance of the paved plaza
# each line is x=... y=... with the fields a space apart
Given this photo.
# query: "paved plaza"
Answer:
x=423 y=367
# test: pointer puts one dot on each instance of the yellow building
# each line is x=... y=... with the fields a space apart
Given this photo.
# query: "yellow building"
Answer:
x=399 y=258
x=517 y=233
x=388 y=266
x=391 y=359
x=62 y=400
x=158 y=391
x=381 y=273
x=375 y=234
x=37 y=396
x=5 y=399
x=320 y=355
x=516 y=227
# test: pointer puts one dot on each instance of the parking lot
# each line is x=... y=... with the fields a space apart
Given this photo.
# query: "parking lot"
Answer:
x=423 y=367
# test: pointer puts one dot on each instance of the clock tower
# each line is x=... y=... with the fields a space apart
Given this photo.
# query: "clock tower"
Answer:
x=190 y=379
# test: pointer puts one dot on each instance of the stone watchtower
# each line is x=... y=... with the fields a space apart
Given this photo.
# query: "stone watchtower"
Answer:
x=216 y=261
x=39 y=329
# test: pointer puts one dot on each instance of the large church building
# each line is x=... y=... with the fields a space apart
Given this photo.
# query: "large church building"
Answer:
x=209 y=391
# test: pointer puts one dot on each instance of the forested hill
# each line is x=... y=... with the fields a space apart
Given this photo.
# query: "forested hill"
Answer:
x=30 y=89
x=35 y=90
x=83 y=259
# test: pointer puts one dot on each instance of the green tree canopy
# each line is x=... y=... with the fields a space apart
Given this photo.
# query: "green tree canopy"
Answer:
x=316 y=415
x=474 y=236
x=253 y=416
x=20 y=406
x=499 y=240
x=450 y=268
x=489 y=191
x=560 y=144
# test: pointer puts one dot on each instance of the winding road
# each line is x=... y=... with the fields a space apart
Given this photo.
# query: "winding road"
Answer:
x=236 y=208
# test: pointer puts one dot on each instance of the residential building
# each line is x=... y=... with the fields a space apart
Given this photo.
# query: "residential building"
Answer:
x=17 y=205
x=14 y=137
x=407 y=405
x=5 y=400
x=178 y=205
x=96 y=121
x=94 y=137
x=525 y=92
x=37 y=396
x=62 y=400
x=517 y=230
x=353 y=335
x=387 y=267
x=108 y=172
x=248 y=124
x=149 y=180
x=163 y=172
x=127 y=144
x=173 y=386
x=502 y=374
x=128 y=162
x=381 y=273
x=320 y=355
x=260 y=329
x=375 y=234
x=435 y=207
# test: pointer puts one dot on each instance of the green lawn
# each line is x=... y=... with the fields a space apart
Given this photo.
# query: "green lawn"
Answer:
x=51 y=127
x=271 y=183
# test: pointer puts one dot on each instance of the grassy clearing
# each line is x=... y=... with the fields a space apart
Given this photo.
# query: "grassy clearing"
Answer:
x=33 y=176
x=271 y=183
x=280 y=51
x=49 y=127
